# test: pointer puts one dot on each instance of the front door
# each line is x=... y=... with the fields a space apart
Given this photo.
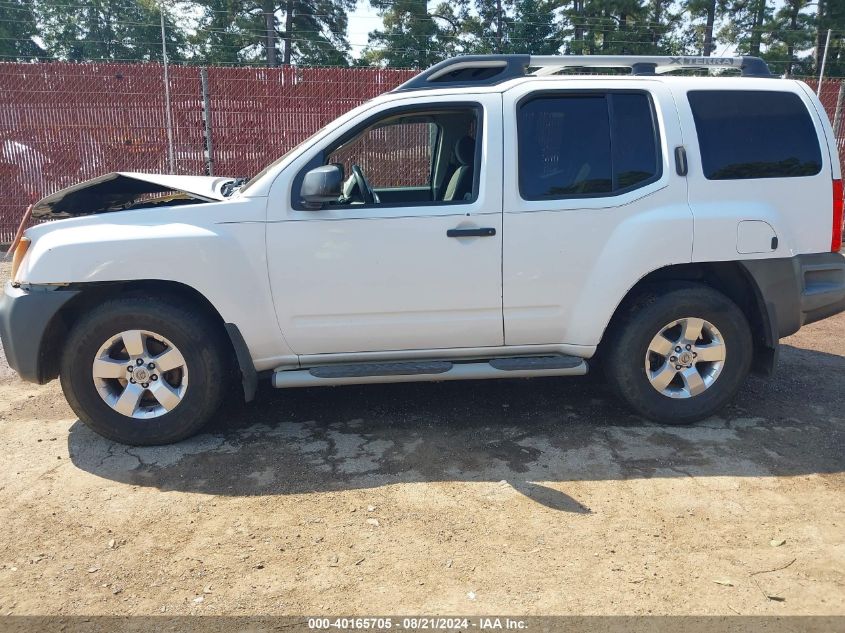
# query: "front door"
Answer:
x=409 y=257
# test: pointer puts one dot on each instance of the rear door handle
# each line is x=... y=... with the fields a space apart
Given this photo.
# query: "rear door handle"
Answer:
x=484 y=232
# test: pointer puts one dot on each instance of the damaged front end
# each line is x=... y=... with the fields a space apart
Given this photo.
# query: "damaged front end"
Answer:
x=121 y=191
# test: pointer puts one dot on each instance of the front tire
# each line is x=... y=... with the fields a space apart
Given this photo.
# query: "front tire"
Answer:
x=143 y=371
x=679 y=356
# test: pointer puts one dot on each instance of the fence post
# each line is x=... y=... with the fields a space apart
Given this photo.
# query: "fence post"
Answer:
x=837 y=116
x=171 y=156
x=208 y=151
x=824 y=61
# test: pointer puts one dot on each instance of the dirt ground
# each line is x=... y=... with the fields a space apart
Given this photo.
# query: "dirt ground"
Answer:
x=514 y=497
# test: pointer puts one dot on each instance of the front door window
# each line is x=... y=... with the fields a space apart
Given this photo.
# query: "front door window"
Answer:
x=410 y=158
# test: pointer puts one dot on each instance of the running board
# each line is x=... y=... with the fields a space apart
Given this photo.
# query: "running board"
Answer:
x=430 y=371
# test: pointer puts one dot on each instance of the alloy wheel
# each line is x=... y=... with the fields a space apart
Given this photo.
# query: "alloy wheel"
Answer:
x=140 y=374
x=685 y=357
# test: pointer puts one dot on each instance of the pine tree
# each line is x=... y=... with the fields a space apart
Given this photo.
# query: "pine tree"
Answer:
x=830 y=16
x=485 y=28
x=232 y=32
x=18 y=27
x=792 y=31
x=514 y=26
x=534 y=28
x=699 y=38
x=93 y=30
x=306 y=32
x=750 y=20
x=613 y=27
x=662 y=21
x=315 y=32
x=413 y=37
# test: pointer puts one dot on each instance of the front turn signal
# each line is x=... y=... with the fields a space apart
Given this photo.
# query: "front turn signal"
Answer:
x=18 y=255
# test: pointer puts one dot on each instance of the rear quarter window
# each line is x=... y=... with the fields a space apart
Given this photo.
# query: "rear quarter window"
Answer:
x=746 y=134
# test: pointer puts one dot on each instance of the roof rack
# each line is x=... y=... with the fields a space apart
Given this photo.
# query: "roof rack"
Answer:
x=489 y=70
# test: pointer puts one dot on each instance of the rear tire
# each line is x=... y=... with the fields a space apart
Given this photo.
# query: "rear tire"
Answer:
x=689 y=324
x=126 y=337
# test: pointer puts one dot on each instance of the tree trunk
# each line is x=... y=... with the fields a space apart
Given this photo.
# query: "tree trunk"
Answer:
x=657 y=8
x=605 y=32
x=289 y=7
x=708 y=29
x=821 y=32
x=498 y=26
x=757 y=28
x=793 y=27
x=578 y=32
x=270 y=32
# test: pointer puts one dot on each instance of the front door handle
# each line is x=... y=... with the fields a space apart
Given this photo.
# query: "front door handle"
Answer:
x=484 y=232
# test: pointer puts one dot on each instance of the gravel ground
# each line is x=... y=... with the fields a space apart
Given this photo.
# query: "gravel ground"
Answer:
x=506 y=497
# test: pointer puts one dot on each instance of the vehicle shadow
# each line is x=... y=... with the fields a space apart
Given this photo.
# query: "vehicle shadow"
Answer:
x=524 y=432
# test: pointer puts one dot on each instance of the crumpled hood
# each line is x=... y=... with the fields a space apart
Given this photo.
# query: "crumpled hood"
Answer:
x=122 y=190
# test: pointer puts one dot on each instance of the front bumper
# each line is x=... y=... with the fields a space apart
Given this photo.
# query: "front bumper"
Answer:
x=26 y=316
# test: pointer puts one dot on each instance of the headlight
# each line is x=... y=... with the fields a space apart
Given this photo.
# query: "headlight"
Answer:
x=17 y=257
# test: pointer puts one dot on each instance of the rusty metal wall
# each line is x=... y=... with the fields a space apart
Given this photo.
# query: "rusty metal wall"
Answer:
x=61 y=123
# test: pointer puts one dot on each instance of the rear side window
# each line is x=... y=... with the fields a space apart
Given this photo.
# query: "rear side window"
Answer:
x=586 y=145
x=754 y=134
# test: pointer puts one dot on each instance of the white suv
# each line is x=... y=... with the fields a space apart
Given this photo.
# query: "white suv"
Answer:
x=490 y=218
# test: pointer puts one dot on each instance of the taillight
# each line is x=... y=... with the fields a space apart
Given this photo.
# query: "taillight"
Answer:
x=20 y=250
x=838 y=204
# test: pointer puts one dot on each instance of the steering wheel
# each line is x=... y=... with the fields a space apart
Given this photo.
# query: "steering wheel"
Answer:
x=367 y=193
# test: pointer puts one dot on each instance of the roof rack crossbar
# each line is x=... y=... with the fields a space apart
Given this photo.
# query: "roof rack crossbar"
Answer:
x=488 y=70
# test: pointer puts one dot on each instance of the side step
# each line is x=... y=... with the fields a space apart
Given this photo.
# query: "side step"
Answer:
x=430 y=371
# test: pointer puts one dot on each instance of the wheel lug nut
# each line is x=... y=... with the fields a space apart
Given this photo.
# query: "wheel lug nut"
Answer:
x=154 y=377
x=151 y=366
x=132 y=380
x=694 y=355
x=130 y=369
x=139 y=362
x=678 y=367
x=689 y=347
x=678 y=349
x=145 y=385
x=673 y=359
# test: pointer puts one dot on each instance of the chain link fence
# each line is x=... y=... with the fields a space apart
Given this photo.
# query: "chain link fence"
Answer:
x=832 y=96
x=61 y=123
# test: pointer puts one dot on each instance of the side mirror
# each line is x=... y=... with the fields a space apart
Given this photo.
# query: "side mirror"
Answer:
x=322 y=184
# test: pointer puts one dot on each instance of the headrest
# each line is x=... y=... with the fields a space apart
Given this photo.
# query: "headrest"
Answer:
x=465 y=150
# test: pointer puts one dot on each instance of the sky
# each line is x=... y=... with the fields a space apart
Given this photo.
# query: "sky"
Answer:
x=363 y=20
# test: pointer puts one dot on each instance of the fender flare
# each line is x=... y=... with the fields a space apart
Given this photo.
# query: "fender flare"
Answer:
x=249 y=377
